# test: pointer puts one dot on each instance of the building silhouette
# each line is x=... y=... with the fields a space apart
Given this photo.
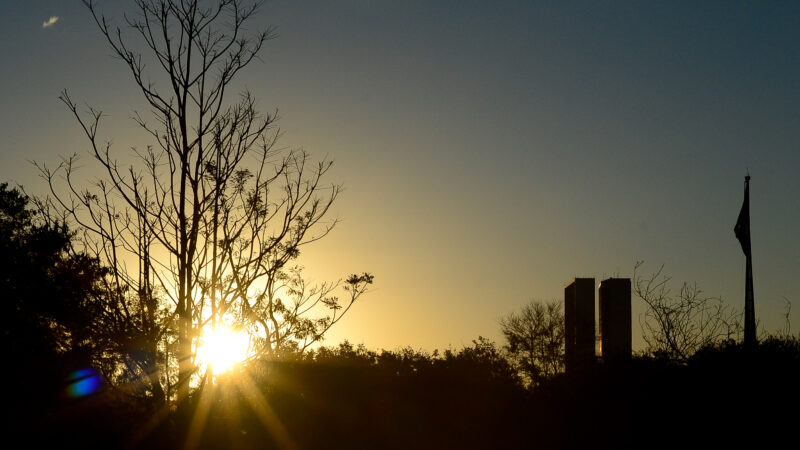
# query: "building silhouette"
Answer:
x=579 y=322
x=615 y=319
x=579 y=331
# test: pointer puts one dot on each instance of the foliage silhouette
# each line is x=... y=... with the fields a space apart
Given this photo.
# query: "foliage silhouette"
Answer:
x=50 y=327
x=46 y=319
x=535 y=340
x=352 y=397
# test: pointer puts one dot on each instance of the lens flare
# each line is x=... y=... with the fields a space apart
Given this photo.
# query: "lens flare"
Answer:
x=83 y=382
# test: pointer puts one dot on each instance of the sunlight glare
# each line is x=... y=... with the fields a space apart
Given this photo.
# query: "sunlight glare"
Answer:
x=222 y=348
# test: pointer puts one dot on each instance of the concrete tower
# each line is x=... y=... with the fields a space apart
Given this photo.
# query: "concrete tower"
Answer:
x=579 y=333
x=615 y=319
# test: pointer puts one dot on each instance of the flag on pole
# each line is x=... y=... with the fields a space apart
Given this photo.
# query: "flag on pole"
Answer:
x=742 y=228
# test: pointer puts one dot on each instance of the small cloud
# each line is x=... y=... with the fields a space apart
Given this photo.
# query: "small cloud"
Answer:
x=50 y=22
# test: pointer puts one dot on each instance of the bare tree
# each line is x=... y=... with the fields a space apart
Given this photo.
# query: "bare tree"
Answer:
x=675 y=326
x=535 y=339
x=204 y=228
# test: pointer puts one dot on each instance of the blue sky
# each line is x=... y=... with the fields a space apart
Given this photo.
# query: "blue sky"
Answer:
x=490 y=151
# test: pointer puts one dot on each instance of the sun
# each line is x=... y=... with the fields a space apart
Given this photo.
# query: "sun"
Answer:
x=222 y=348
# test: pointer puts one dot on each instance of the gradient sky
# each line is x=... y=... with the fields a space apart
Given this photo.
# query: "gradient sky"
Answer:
x=490 y=151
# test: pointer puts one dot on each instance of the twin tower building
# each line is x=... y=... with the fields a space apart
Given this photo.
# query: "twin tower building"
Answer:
x=579 y=322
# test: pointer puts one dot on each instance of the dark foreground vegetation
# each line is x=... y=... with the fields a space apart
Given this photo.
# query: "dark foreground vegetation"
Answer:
x=354 y=398
x=63 y=388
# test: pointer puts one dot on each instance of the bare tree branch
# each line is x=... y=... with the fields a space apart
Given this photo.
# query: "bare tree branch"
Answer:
x=204 y=227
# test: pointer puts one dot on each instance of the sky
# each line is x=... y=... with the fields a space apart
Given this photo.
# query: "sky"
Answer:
x=490 y=151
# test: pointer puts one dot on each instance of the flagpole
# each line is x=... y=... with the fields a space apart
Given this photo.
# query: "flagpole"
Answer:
x=750 y=339
x=749 y=307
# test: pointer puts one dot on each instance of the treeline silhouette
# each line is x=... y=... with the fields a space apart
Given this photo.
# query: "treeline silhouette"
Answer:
x=352 y=397
x=355 y=398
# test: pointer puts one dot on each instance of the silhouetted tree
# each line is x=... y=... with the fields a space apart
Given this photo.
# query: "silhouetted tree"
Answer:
x=677 y=326
x=205 y=227
x=535 y=340
x=47 y=307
